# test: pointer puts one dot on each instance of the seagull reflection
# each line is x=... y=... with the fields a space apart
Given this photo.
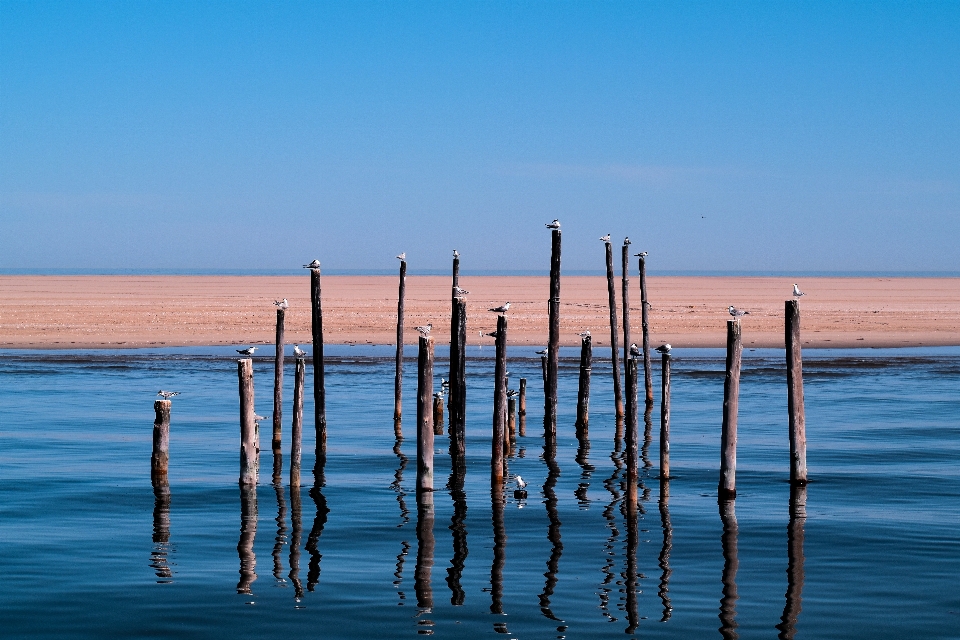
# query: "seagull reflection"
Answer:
x=425 y=549
x=161 y=533
x=553 y=531
x=612 y=484
x=248 y=532
x=731 y=562
x=281 y=538
x=296 y=533
x=664 y=559
x=794 y=597
x=313 y=567
x=587 y=469
x=459 y=530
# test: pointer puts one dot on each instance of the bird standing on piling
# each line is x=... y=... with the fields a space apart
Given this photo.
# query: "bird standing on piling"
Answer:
x=248 y=351
x=542 y=352
x=553 y=225
x=584 y=334
x=298 y=352
x=402 y=256
x=605 y=238
x=796 y=291
x=166 y=395
x=501 y=309
x=425 y=331
x=642 y=254
x=456 y=254
x=492 y=334
x=281 y=304
x=737 y=313
x=635 y=350
x=313 y=265
x=627 y=240
x=664 y=348
x=460 y=292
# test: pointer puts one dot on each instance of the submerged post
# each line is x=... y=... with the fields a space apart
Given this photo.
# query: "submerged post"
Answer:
x=727 y=488
x=249 y=430
x=665 y=417
x=583 y=392
x=278 y=385
x=499 y=404
x=319 y=390
x=398 y=376
x=438 y=414
x=632 y=453
x=644 y=320
x=614 y=333
x=553 y=345
x=797 y=417
x=160 y=459
x=522 y=410
x=296 y=432
x=425 y=415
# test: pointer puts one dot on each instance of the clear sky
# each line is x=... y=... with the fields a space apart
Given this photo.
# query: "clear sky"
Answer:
x=756 y=136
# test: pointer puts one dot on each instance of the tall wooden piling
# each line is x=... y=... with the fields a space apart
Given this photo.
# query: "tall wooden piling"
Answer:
x=522 y=409
x=583 y=392
x=296 y=431
x=727 y=488
x=278 y=384
x=645 y=322
x=398 y=376
x=614 y=333
x=795 y=409
x=511 y=422
x=160 y=458
x=458 y=363
x=425 y=415
x=553 y=346
x=625 y=297
x=437 y=415
x=665 y=417
x=632 y=453
x=499 y=404
x=249 y=430
x=319 y=388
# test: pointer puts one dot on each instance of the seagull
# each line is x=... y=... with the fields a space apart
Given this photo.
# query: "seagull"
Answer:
x=297 y=351
x=460 y=292
x=584 y=334
x=166 y=395
x=444 y=384
x=627 y=241
x=512 y=393
x=553 y=225
x=438 y=394
x=542 y=352
x=796 y=291
x=248 y=351
x=521 y=483
x=502 y=308
x=402 y=256
x=664 y=348
x=282 y=304
x=257 y=418
x=737 y=313
x=456 y=254
x=605 y=238
x=642 y=254
x=635 y=350
x=313 y=265
x=492 y=334
x=425 y=331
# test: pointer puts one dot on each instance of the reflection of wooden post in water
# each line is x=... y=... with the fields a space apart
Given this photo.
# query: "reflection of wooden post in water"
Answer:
x=522 y=411
x=633 y=540
x=438 y=414
x=632 y=433
x=731 y=562
x=319 y=388
x=425 y=415
x=586 y=470
x=398 y=376
x=296 y=533
x=296 y=432
x=425 y=550
x=459 y=530
x=583 y=390
x=498 y=502
x=553 y=344
x=794 y=597
x=281 y=537
x=553 y=531
x=644 y=320
x=797 y=416
x=612 y=484
x=614 y=332
x=499 y=404
x=313 y=540
x=731 y=398
x=161 y=532
x=160 y=458
x=249 y=429
x=665 y=417
x=248 y=531
x=278 y=385
x=664 y=559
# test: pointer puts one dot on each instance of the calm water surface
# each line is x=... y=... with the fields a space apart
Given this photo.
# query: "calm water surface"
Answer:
x=88 y=549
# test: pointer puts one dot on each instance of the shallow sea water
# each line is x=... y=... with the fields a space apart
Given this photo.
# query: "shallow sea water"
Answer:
x=88 y=550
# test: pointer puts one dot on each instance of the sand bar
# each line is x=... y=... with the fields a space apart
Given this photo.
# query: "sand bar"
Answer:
x=141 y=311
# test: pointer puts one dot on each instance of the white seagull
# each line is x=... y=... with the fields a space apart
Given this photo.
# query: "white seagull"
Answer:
x=664 y=348
x=281 y=304
x=521 y=483
x=456 y=254
x=313 y=265
x=460 y=292
x=298 y=352
x=425 y=331
x=166 y=395
x=257 y=418
x=737 y=313
x=248 y=351
x=605 y=238
x=542 y=352
x=642 y=254
x=502 y=308
x=553 y=225
x=402 y=256
x=492 y=334
x=627 y=241
x=584 y=334
x=512 y=393
x=796 y=291
x=635 y=350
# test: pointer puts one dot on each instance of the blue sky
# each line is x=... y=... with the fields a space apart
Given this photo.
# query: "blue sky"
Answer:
x=766 y=136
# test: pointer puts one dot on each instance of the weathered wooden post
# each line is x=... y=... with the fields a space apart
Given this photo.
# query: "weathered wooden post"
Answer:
x=543 y=370
x=296 y=432
x=278 y=385
x=499 y=404
x=625 y=295
x=511 y=422
x=438 y=414
x=614 y=333
x=425 y=415
x=398 y=376
x=632 y=453
x=249 y=429
x=319 y=388
x=458 y=374
x=160 y=458
x=731 y=398
x=522 y=410
x=797 y=417
x=583 y=392
x=553 y=346
x=665 y=417
x=645 y=322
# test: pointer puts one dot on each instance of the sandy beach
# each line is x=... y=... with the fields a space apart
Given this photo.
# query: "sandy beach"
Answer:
x=140 y=311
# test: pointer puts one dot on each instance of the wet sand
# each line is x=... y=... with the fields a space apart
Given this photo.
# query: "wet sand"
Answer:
x=62 y=312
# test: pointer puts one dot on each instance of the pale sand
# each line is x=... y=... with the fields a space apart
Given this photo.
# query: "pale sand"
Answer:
x=138 y=311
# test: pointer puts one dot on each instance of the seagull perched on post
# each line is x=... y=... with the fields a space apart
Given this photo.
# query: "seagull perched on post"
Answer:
x=456 y=254
x=298 y=352
x=553 y=225
x=605 y=238
x=642 y=254
x=166 y=395
x=512 y=393
x=664 y=348
x=402 y=256
x=635 y=350
x=258 y=419
x=796 y=291
x=737 y=313
x=584 y=334
x=248 y=351
x=502 y=308
x=626 y=241
x=281 y=304
x=542 y=352
x=492 y=334
x=425 y=331
x=313 y=265
x=460 y=292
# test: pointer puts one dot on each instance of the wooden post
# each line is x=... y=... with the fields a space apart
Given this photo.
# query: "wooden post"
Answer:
x=795 y=410
x=614 y=333
x=278 y=385
x=458 y=349
x=583 y=392
x=454 y=341
x=511 y=422
x=437 y=415
x=319 y=389
x=665 y=417
x=296 y=432
x=553 y=346
x=543 y=370
x=632 y=453
x=731 y=398
x=425 y=415
x=160 y=459
x=249 y=430
x=625 y=295
x=644 y=320
x=523 y=408
x=398 y=376
x=499 y=404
